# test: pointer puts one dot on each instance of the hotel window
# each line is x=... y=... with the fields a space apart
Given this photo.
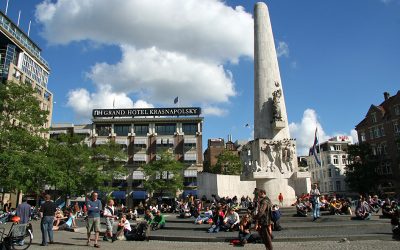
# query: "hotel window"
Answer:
x=141 y=129
x=384 y=149
x=363 y=136
x=337 y=147
x=388 y=168
x=382 y=131
x=338 y=186
x=396 y=127
x=329 y=172
x=189 y=128
x=344 y=159
x=376 y=132
x=165 y=129
x=335 y=160
x=371 y=133
x=379 y=149
x=373 y=117
x=103 y=130
x=373 y=148
x=122 y=130
x=397 y=110
x=337 y=172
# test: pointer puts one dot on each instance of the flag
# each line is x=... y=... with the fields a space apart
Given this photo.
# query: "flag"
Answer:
x=314 y=148
x=176 y=100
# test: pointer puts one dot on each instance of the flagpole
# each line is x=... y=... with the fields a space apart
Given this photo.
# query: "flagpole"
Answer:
x=6 y=7
x=319 y=147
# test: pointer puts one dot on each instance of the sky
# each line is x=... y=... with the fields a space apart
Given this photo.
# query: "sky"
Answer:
x=336 y=58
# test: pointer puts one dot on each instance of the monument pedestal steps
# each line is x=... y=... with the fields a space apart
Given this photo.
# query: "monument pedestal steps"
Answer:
x=295 y=229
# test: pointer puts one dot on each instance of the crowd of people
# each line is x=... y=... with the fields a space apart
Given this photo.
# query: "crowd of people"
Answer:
x=361 y=208
x=252 y=219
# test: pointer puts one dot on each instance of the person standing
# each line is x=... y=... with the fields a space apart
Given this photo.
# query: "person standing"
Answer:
x=280 y=198
x=264 y=219
x=47 y=212
x=315 y=202
x=109 y=214
x=94 y=207
x=24 y=211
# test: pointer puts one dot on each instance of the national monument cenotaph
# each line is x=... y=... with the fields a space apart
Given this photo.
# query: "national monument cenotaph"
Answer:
x=271 y=159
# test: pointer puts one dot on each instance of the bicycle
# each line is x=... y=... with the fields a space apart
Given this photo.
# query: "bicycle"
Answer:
x=19 y=236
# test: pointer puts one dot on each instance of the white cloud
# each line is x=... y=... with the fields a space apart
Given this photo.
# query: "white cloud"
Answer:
x=206 y=29
x=283 y=49
x=169 y=48
x=82 y=102
x=161 y=75
x=304 y=132
x=214 y=111
x=354 y=135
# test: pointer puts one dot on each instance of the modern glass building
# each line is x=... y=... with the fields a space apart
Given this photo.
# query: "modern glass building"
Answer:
x=20 y=61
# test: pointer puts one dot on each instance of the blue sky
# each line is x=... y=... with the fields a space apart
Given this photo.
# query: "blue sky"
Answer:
x=336 y=58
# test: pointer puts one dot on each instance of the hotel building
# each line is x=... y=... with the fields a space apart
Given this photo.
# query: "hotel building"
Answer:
x=143 y=135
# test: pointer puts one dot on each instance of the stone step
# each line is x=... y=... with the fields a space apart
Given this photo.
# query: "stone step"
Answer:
x=381 y=237
x=374 y=231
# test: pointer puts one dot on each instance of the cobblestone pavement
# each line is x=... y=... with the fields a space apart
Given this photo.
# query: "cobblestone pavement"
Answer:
x=77 y=240
x=78 y=243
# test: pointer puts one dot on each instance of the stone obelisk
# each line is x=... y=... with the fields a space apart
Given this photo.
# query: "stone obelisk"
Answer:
x=271 y=157
x=267 y=79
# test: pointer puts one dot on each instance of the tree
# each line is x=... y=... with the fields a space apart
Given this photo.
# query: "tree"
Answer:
x=83 y=168
x=22 y=139
x=164 y=175
x=229 y=163
x=361 y=173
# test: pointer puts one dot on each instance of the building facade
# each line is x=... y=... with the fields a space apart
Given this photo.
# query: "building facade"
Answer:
x=381 y=130
x=143 y=138
x=330 y=175
x=215 y=146
x=21 y=62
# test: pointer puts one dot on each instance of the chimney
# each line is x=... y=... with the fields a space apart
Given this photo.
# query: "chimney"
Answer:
x=386 y=95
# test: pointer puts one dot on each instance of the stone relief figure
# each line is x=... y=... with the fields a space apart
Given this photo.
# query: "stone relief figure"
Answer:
x=278 y=156
x=268 y=150
x=246 y=159
x=287 y=156
x=257 y=166
x=276 y=107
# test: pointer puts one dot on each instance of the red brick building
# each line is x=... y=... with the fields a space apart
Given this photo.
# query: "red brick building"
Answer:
x=381 y=129
x=214 y=149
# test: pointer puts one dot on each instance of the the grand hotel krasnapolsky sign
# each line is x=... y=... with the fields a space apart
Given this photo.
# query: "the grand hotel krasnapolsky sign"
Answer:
x=146 y=112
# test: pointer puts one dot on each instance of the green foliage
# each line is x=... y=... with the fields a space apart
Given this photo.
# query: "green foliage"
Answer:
x=170 y=171
x=83 y=168
x=21 y=138
x=229 y=163
x=361 y=173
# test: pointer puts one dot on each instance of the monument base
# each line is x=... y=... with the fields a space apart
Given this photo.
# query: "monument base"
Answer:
x=299 y=183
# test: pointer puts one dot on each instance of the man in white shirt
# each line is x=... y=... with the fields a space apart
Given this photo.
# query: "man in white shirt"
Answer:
x=109 y=214
x=232 y=220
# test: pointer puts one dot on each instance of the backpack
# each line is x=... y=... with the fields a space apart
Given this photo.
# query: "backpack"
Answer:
x=139 y=233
